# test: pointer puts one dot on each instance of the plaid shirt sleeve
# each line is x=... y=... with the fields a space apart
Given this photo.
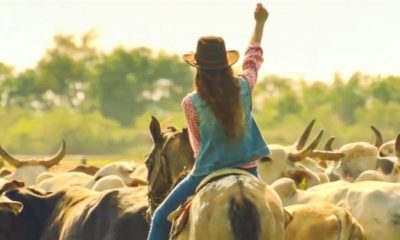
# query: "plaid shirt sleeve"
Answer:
x=253 y=58
x=192 y=124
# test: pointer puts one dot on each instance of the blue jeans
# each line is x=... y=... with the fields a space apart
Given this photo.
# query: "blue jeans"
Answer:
x=160 y=226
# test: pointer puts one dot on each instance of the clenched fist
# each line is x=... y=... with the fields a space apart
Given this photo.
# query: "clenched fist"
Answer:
x=260 y=14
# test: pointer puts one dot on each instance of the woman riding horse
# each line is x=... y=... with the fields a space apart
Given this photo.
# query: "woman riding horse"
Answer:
x=222 y=130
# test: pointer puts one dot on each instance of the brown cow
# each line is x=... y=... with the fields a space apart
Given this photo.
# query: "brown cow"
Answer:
x=322 y=221
x=74 y=214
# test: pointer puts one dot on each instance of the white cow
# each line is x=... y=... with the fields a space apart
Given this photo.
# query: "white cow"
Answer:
x=108 y=182
x=388 y=149
x=374 y=204
x=389 y=165
x=110 y=176
x=60 y=181
x=292 y=161
x=27 y=170
x=43 y=176
x=359 y=158
x=373 y=175
x=122 y=169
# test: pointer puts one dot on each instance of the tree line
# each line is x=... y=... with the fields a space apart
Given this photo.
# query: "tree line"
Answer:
x=75 y=74
x=101 y=102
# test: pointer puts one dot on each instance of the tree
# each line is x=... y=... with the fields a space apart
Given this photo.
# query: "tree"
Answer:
x=348 y=97
x=21 y=90
x=316 y=94
x=64 y=72
x=129 y=81
x=387 y=89
x=282 y=91
x=6 y=76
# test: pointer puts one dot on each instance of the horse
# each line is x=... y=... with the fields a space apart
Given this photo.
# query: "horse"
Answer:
x=230 y=203
x=171 y=154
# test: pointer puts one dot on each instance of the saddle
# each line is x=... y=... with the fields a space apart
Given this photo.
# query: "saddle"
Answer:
x=180 y=216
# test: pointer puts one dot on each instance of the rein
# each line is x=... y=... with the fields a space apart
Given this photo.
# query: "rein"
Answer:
x=160 y=172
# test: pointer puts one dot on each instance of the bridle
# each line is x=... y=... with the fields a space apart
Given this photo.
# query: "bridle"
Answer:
x=161 y=172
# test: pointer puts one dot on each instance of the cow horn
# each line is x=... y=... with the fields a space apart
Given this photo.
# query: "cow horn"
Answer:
x=300 y=155
x=303 y=138
x=10 y=159
x=327 y=155
x=328 y=144
x=56 y=158
x=378 y=136
x=397 y=146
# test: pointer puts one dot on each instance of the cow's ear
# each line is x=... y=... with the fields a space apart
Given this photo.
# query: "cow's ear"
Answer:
x=385 y=165
x=155 y=130
x=288 y=217
x=11 y=206
x=14 y=184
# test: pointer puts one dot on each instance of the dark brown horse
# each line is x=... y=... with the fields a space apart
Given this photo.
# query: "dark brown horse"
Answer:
x=171 y=154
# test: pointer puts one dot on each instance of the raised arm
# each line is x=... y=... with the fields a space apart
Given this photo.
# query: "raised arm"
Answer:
x=253 y=56
x=260 y=15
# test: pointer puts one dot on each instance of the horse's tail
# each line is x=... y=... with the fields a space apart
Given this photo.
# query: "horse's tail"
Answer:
x=244 y=218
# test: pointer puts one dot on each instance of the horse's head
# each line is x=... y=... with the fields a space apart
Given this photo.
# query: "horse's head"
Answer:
x=170 y=155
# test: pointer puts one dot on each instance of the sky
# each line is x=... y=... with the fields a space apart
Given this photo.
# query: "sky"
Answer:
x=308 y=39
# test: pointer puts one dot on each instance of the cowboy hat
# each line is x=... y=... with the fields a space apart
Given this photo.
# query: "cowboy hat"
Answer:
x=211 y=54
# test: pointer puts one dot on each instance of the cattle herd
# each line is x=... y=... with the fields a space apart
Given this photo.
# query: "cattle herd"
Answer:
x=307 y=192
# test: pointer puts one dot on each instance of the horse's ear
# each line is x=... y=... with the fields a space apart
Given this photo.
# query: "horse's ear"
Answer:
x=185 y=133
x=155 y=130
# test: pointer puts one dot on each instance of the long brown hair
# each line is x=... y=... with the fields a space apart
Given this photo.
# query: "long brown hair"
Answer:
x=220 y=90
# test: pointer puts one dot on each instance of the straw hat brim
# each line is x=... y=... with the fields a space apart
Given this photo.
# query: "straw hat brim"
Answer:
x=231 y=55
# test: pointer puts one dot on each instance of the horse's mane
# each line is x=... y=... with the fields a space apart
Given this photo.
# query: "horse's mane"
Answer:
x=244 y=217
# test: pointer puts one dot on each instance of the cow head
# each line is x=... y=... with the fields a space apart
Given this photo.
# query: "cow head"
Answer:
x=27 y=170
x=362 y=156
x=282 y=161
x=388 y=149
x=123 y=169
x=390 y=165
x=170 y=155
